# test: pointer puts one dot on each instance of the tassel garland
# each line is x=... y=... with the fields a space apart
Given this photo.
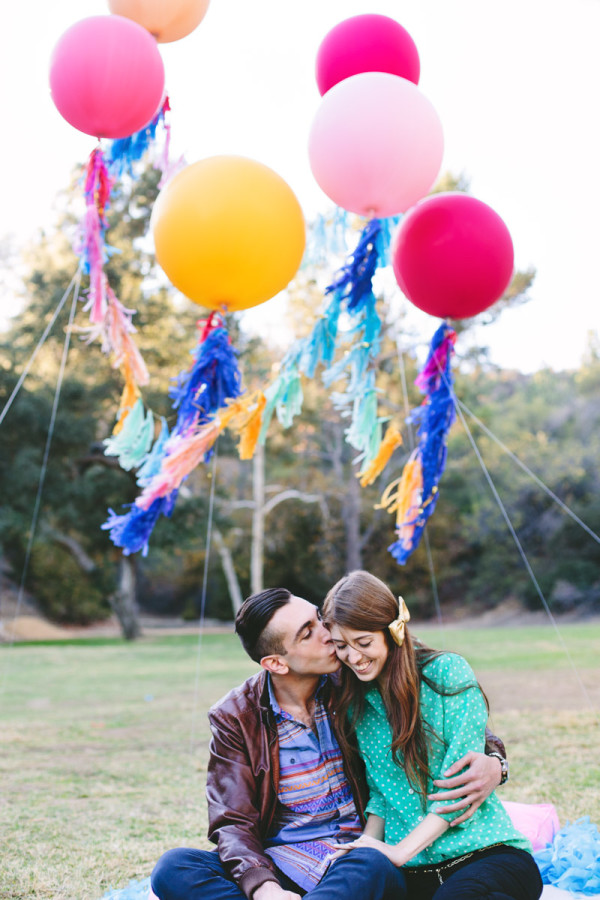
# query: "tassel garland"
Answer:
x=198 y=394
x=433 y=418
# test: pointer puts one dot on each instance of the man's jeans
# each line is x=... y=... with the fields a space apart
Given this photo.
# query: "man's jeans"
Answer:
x=362 y=874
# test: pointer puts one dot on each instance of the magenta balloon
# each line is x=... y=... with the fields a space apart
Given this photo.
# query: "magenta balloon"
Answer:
x=369 y=43
x=376 y=144
x=452 y=256
x=107 y=76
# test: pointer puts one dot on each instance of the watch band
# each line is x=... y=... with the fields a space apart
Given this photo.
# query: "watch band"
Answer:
x=503 y=767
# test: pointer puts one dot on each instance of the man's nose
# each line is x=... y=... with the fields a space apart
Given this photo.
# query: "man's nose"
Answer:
x=325 y=634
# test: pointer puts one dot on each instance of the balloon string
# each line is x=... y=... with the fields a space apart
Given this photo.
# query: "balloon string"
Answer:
x=40 y=344
x=518 y=544
x=44 y=467
x=528 y=471
x=213 y=479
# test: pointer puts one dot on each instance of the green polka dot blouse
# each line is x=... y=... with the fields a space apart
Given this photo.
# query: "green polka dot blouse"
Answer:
x=459 y=722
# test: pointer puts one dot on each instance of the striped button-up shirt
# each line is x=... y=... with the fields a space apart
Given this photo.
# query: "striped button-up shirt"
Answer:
x=316 y=810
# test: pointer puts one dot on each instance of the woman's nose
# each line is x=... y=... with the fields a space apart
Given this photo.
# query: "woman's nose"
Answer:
x=353 y=655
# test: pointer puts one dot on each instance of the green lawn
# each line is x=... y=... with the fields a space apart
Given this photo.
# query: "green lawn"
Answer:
x=103 y=745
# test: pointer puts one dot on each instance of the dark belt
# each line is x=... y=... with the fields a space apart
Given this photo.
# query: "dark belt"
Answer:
x=448 y=865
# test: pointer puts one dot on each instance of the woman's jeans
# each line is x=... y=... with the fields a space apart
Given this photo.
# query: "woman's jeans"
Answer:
x=496 y=873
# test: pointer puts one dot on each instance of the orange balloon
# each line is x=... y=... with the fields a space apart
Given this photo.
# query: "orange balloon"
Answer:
x=228 y=232
x=167 y=20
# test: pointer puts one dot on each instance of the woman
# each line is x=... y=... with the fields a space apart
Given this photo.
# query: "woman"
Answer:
x=414 y=712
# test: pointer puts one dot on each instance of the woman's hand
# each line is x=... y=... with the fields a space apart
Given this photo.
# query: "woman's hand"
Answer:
x=365 y=840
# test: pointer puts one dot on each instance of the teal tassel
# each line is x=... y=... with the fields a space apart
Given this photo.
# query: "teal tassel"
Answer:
x=134 y=440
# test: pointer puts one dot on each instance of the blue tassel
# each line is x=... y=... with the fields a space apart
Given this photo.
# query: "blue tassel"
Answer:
x=354 y=281
x=123 y=153
x=214 y=378
x=319 y=346
x=131 y=531
x=384 y=238
x=284 y=395
x=152 y=464
x=433 y=419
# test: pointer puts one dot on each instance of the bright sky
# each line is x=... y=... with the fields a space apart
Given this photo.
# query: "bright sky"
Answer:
x=514 y=82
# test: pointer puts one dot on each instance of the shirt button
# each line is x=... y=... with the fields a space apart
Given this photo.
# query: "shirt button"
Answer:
x=420 y=818
x=292 y=760
x=410 y=791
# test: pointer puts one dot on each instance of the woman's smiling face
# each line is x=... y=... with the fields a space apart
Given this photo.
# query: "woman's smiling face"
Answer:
x=365 y=652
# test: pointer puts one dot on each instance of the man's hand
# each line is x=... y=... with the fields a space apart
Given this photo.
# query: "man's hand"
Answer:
x=471 y=787
x=271 y=890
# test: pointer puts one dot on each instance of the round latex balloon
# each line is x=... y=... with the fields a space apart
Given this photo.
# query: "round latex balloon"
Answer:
x=368 y=43
x=228 y=232
x=106 y=76
x=166 y=20
x=452 y=256
x=375 y=144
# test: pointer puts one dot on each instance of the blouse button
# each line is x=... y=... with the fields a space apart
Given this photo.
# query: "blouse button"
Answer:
x=420 y=818
x=410 y=791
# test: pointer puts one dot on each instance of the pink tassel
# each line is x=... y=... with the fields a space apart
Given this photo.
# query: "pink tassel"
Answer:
x=97 y=188
x=184 y=453
x=429 y=378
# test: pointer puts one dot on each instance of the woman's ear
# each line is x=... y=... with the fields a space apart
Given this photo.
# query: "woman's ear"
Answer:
x=275 y=664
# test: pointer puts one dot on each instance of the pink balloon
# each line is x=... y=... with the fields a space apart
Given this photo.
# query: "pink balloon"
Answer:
x=106 y=76
x=369 y=43
x=452 y=256
x=376 y=144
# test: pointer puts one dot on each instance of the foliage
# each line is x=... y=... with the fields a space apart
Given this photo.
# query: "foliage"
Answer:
x=551 y=421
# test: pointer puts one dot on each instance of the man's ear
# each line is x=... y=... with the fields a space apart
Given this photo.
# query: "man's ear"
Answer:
x=275 y=664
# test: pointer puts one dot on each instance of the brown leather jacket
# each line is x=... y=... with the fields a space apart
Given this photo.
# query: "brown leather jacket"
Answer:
x=243 y=779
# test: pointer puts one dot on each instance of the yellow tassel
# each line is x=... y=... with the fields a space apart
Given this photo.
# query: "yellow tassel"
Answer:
x=130 y=395
x=245 y=417
x=251 y=430
x=403 y=497
x=392 y=439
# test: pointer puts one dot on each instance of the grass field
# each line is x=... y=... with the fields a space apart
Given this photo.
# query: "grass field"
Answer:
x=103 y=745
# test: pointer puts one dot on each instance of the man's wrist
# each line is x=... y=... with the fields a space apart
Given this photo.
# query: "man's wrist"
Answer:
x=503 y=767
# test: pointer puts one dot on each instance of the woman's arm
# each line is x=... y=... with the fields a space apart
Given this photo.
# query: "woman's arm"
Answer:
x=426 y=832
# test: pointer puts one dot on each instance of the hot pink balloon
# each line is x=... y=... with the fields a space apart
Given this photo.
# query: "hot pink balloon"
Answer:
x=368 y=43
x=452 y=256
x=376 y=144
x=106 y=76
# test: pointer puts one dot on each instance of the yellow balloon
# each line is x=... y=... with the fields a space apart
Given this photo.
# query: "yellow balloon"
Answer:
x=228 y=232
x=167 y=20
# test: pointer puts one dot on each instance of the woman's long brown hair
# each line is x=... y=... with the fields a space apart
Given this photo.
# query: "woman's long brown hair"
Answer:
x=364 y=603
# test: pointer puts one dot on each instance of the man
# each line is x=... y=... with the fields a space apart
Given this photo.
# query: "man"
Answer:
x=280 y=798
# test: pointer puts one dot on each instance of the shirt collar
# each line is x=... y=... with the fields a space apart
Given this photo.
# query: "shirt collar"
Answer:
x=275 y=705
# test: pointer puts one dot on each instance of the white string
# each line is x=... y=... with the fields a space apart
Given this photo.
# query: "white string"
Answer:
x=515 y=538
x=44 y=467
x=528 y=471
x=41 y=342
x=411 y=441
x=211 y=501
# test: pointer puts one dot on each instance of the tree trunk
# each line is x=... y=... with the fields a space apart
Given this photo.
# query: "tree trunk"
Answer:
x=123 y=602
x=233 y=584
x=351 y=517
x=257 y=547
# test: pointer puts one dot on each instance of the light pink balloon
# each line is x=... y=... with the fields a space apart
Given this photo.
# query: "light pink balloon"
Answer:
x=376 y=144
x=107 y=76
